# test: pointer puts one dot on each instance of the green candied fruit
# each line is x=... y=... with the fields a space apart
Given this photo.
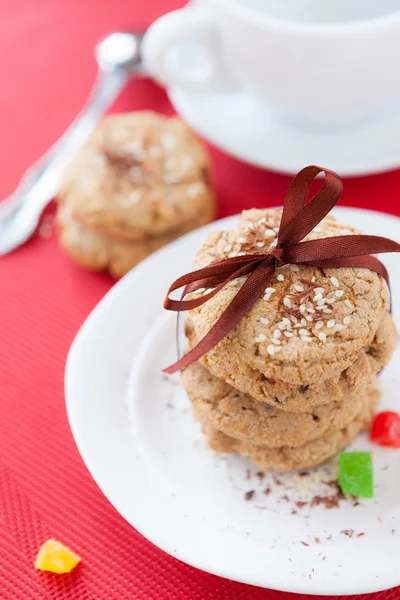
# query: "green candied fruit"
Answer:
x=356 y=474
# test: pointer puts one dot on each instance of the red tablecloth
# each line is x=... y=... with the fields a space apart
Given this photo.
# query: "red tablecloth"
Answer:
x=46 y=69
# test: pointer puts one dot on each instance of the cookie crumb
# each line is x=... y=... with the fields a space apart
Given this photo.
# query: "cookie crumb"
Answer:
x=249 y=495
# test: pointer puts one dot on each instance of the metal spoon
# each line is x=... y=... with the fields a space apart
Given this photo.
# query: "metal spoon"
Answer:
x=118 y=56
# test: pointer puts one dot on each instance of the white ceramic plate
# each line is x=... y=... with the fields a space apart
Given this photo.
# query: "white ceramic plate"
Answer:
x=244 y=128
x=188 y=501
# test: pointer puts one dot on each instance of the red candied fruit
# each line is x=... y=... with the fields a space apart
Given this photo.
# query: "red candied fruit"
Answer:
x=385 y=429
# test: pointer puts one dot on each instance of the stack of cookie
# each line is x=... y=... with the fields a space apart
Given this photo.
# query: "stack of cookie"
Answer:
x=295 y=381
x=140 y=182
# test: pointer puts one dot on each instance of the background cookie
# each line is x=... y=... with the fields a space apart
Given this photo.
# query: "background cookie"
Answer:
x=98 y=252
x=240 y=416
x=140 y=175
x=288 y=459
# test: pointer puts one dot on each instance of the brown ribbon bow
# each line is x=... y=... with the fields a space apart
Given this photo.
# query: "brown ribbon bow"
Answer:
x=298 y=220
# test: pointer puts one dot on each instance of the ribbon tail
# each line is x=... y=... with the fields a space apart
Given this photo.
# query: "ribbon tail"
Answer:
x=243 y=302
x=218 y=273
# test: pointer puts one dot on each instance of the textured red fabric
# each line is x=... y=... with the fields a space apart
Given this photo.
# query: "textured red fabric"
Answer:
x=46 y=69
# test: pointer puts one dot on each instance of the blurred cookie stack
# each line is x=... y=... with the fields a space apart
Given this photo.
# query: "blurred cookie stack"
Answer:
x=295 y=381
x=141 y=181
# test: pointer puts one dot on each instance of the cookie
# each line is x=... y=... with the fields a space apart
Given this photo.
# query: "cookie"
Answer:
x=384 y=344
x=240 y=416
x=140 y=175
x=287 y=458
x=311 y=323
x=306 y=397
x=98 y=252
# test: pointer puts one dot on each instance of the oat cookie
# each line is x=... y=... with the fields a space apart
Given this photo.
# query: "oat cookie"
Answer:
x=303 y=398
x=98 y=252
x=240 y=416
x=311 y=323
x=140 y=175
x=287 y=458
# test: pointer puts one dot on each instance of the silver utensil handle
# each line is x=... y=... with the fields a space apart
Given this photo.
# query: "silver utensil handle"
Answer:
x=40 y=183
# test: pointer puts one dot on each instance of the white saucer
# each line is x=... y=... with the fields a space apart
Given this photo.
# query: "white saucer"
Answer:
x=188 y=501
x=238 y=124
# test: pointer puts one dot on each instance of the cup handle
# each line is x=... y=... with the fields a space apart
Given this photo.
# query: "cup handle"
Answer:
x=170 y=32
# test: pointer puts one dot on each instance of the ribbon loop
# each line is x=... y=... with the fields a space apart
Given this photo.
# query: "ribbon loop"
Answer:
x=298 y=219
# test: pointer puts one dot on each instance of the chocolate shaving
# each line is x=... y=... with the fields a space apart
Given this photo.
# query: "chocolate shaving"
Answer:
x=248 y=495
x=300 y=504
x=360 y=534
x=267 y=490
x=260 y=475
x=304 y=543
x=328 y=501
x=348 y=532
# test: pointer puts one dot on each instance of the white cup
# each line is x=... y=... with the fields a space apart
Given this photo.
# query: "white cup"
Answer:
x=321 y=62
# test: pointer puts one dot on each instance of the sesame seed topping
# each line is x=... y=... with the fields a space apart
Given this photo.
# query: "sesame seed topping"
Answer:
x=288 y=334
x=303 y=332
x=348 y=303
x=276 y=342
x=330 y=323
x=306 y=339
x=264 y=321
x=347 y=320
x=270 y=290
x=276 y=229
x=327 y=311
x=241 y=254
x=277 y=348
x=241 y=240
x=168 y=141
x=321 y=302
x=309 y=317
x=195 y=189
x=286 y=321
x=330 y=300
x=313 y=280
x=293 y=319
x=287 y=302
x=299 y=288
x=277 y=333
x=322 y=336
x=303 y=308
x=339 y=293
x=317 y=297
x=303 y=322
x=319 y=290
x=260 y=244
x=282 y=326
x=201 y=290
x=260 y=338
x=271 y=349
x=294 y=268
x=269 y=233
x=228 y=248
x=280 y=277
x=310 y=310
x=339 y=327
x=335 y=281
x=319 y=325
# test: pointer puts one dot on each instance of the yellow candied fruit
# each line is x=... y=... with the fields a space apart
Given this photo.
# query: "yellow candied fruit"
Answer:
x=53 y=556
